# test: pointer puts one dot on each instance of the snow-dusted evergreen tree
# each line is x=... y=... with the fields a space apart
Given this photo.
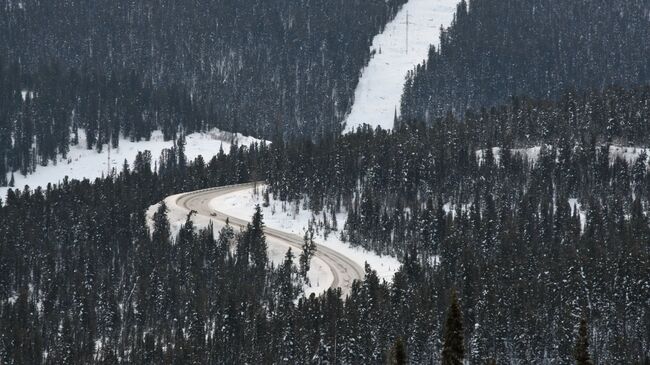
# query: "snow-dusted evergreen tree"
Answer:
x=397 y=353
x=308 y=251
x=453 y=348
x=582 y=356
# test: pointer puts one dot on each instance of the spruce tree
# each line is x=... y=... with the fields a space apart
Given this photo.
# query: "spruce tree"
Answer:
x=453 y=350
x=582 y=344
x=161 y=228
x=397 y=354
x=308 y=250
x=258 y=244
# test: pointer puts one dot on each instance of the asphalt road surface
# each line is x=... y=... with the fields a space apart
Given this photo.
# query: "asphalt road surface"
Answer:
x=343 y=269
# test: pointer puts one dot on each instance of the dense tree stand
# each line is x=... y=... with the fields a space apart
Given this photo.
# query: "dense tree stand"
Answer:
x=582 y=344
x=453 y=347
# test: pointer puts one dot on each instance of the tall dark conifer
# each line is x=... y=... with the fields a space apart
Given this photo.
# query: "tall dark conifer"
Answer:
x=582 y=344
x=258 y=244
x=453 y=347
x=397 y=354
x=308 y=251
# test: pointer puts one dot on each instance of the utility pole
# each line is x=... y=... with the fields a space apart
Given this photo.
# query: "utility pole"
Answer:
x=108 y=162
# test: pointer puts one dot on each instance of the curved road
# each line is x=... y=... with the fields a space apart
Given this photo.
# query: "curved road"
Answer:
x=344 y=270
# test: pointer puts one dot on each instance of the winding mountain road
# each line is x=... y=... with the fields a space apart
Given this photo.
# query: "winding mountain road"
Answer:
x=344 y=270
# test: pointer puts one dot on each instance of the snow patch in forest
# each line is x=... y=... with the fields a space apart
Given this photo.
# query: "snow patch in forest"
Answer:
x=83 y=163
x=378 y=94
x=531 y=153
x=12 y=299
x=292 y=218
x=629 y=154
x=576 y=207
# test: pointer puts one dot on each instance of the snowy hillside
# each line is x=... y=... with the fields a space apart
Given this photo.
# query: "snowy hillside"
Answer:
x=378 y=93
x=83 y=163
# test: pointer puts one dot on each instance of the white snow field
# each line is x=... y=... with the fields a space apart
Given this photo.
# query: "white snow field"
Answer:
x=378 y=93
x=83 y=163
x=291 y=218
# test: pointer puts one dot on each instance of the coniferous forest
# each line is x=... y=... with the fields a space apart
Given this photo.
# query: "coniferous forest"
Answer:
x=514 y=187
x=259 y=67
x=496 y=49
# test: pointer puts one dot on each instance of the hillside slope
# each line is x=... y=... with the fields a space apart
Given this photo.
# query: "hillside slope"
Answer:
x=495 y=49
x=377 y=97
x=262 y=67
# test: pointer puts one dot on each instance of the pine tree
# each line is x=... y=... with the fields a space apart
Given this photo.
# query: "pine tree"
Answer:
x=287 y=289
x=161 y=228
x=258 y=245
x=397 y=354
x=182 y=159
x=108 y=356
x=308 y=250
x=453 y=349
x=582 y=344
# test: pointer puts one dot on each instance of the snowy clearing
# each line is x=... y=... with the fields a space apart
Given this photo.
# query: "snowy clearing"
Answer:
x=83 y=163
x=293 y=219
x=378 y=93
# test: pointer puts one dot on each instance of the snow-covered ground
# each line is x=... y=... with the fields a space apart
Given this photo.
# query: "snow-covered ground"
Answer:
x=378 y=93
x=83 y=163
x=531 y=154
x=629 y=154
x=293 y=219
